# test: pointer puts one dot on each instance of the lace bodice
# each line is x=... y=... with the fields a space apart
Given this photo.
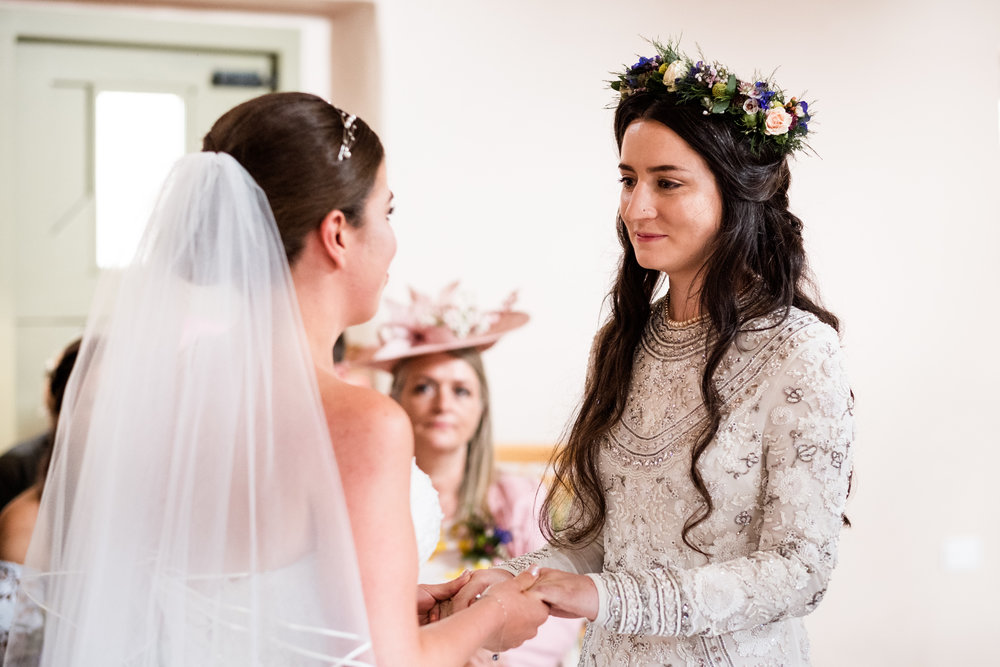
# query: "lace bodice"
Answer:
x=18 y=616
x=778 y=473
x=426 y=511
x=9 y=575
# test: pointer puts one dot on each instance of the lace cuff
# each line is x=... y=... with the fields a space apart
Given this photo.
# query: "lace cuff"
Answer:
x=518 y=565
x=577 y=561
x=646 y=603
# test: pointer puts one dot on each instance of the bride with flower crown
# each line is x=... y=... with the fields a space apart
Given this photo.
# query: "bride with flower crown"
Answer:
x=217 y=495
x=710 y=460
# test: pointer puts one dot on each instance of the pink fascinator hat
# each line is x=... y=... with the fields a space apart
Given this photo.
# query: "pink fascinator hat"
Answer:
x=427 y=326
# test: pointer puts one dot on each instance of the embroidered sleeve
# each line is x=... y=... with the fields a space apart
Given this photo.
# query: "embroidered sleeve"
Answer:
x=578 y=561
x=806 y=443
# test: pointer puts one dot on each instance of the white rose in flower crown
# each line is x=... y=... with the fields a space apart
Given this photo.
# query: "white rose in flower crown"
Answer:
x=777 y=121
x=751 y=106
x=675 y=70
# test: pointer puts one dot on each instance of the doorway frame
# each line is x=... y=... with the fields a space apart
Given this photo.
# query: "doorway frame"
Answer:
x=106 y=26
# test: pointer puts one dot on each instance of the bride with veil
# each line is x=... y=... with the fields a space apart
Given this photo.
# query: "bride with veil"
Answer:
x=217 y=496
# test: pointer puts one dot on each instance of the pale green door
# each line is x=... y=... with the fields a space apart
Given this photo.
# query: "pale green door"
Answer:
x=63 y=91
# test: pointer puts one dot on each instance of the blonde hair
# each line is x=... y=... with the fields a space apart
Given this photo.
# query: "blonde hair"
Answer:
x=479 y=469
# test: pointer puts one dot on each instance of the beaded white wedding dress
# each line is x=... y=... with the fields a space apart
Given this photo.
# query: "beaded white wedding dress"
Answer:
x=778 y=470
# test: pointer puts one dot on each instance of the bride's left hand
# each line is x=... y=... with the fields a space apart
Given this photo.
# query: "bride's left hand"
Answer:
x=568 y=595
x=434 y=600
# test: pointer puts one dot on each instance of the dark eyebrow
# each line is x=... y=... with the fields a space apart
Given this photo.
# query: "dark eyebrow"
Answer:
x=652 y=170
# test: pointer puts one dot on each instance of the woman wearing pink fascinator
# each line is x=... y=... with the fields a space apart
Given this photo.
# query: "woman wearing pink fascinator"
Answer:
x=432 y=348
x=427 y=326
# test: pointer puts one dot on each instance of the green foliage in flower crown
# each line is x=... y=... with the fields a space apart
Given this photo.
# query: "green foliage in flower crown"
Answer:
x=758 y=108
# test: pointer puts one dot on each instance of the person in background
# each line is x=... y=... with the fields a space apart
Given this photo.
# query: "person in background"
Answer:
x=217 y=494
x=17 y=520
x=19 y=465
x=432 y=348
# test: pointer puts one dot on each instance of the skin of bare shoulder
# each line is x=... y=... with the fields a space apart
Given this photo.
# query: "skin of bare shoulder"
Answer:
x=361 y=418
x=17 y=521
x=373 y=442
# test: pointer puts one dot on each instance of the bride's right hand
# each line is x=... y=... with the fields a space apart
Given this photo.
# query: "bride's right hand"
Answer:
x=523 y=610
x=478 y=582
x=434 y=600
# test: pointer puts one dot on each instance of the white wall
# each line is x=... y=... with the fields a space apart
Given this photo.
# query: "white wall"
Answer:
x=502 y=161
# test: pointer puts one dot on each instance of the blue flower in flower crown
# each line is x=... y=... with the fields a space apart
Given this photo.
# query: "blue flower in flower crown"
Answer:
x=504 y=536
x=758 y=109
x=647 y=64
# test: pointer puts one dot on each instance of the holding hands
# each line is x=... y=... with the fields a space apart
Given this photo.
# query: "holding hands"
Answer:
x=522 y=608
x=476 y=583
x=526 y=600
x=434 y=600
x=568 y=595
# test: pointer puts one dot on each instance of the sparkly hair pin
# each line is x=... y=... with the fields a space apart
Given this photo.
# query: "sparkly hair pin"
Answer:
x=349 y=137
x=757 y=108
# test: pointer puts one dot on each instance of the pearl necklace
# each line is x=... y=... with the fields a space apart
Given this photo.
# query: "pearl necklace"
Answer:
x=675 y=324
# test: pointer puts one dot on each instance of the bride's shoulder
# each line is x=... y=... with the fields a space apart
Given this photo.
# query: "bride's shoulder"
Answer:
x=365 y=422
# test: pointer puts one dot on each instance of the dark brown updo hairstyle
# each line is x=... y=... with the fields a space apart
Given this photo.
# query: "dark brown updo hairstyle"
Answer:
x=756 y=266
x=289 y=143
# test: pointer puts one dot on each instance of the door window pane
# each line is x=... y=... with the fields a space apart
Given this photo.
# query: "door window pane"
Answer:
x=138 y=137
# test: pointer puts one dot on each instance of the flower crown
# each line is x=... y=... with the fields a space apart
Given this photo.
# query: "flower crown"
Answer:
x=757 y=108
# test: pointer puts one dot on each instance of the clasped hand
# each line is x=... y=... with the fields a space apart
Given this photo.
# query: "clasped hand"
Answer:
x=523 y=609
x=560 y=593
x=434 y=600
x=567 y=595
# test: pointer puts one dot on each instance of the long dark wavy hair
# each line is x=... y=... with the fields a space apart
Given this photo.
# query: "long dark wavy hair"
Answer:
x=756 y=266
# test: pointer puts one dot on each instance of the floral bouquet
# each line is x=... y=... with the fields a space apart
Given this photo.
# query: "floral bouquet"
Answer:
x=482 y=543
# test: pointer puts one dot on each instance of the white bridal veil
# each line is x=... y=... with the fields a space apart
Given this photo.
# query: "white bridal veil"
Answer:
x=193 y=513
